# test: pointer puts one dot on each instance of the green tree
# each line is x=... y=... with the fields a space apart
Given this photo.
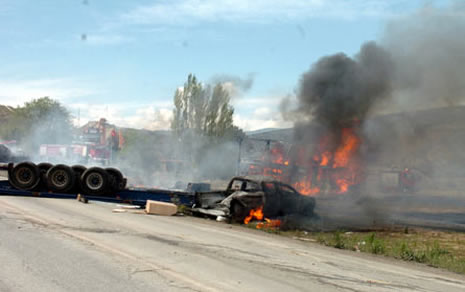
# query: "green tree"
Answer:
x=203 y=124
x=40 y=121
x=202 y=110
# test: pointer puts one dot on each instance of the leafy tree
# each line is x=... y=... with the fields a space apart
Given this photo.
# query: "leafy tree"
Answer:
x=190 y=105
x=40 y=121
x=202 y=110
x=203 y=123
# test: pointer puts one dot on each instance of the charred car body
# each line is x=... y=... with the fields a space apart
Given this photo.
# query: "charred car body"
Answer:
x=244 y=194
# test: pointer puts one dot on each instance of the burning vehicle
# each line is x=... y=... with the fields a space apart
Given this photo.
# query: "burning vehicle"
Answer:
x=244 y=197
x=315 y=169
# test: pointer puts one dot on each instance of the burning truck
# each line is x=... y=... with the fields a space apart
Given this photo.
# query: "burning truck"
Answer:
x=314 y=168
x=319 y=169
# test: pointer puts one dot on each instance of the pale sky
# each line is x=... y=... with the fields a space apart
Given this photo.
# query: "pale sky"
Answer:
x=123 y=60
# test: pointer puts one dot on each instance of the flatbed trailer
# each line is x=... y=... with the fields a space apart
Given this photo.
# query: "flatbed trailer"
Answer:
x=130 y=196
x=135 y=196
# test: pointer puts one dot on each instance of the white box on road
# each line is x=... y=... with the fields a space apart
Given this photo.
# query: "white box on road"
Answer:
x=160 y=208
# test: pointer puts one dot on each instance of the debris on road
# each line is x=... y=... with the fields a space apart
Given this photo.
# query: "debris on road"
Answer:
x=128 y=206
x=82 y=199
x=160 y=208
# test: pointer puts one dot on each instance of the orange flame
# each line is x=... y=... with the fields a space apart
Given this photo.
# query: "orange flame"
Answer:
x=343 y=162
x=349 y=146
x=258 y=215
x=305 y=188
x=325 y=157
x=254 y=213
x=334 y=170
x=269 y=223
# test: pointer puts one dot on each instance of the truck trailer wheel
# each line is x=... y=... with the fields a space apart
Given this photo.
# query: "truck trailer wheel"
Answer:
x=95 y=181
x=116 y=179
x=60 y=178
x=43 y=168
x=25 y=176
x=78 y=171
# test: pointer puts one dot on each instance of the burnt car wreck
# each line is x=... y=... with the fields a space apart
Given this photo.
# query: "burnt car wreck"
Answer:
x=244 y=194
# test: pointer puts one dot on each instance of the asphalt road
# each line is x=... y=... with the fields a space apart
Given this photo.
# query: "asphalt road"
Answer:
x=64 y=245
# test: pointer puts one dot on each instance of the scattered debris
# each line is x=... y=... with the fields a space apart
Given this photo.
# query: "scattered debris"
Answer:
x=82 y=199
x=160 y=208
x=304 y=239
x=128 y=206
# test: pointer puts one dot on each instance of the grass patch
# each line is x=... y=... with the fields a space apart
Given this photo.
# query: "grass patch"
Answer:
x=434 y=248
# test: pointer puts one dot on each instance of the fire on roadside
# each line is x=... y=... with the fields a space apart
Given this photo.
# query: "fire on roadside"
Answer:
x=254 y=214
x=269 y=223
x=257 y=214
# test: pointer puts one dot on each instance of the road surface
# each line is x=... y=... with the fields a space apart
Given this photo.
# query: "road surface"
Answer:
x=64 y=245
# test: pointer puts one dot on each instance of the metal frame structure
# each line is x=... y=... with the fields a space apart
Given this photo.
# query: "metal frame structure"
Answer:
x=130 y=196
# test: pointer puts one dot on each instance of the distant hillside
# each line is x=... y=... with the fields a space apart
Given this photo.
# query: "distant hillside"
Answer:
x=445 y=117
x=260 y=131
x=273 y=134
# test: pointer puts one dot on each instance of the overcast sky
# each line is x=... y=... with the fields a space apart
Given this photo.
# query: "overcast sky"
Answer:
x=123 y=60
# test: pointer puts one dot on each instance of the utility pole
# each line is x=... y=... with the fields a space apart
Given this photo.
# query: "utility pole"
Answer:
x=238 y=167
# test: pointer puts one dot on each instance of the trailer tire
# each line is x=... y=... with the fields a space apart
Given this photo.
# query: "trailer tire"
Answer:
x=95 y=181
x=60 y=178
x=117 y=182
x=78 y=171
x=25 y=176
x=43 y=168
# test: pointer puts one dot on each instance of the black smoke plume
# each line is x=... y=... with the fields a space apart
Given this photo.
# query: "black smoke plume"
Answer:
x=339 y=89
